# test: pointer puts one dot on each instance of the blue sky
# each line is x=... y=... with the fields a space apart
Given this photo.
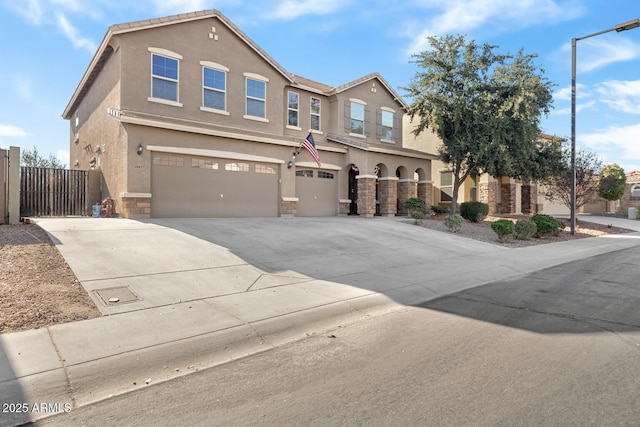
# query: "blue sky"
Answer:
x=46 y=46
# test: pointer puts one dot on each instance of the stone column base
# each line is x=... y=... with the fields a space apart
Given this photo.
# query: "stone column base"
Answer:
x=289 y=207
x=343 y=209
x=135 y=205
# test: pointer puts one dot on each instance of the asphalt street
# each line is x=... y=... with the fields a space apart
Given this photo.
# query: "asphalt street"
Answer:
x=556 y=347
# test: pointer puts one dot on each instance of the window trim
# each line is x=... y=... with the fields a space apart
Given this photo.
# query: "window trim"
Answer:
x=216 y=67
x=297 y=110
x=259 y=78
x=449 y=186
x=364 y=113
x=312 y=114
x=167 y=54
x=382 y=126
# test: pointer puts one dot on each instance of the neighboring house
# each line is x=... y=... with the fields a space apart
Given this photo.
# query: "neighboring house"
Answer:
x=630 y=198
x=185 y=116
x=504 y=195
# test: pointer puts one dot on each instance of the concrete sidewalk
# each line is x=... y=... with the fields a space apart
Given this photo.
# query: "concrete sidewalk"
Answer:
x=194 y=293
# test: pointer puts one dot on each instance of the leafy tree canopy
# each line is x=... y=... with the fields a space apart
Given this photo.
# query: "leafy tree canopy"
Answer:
x=588 y=167
x=35 y=159
x=612 y=182
x=486 y=109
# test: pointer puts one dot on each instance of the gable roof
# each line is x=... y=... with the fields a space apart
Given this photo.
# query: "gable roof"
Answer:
x=104 y=50
x=365 y=79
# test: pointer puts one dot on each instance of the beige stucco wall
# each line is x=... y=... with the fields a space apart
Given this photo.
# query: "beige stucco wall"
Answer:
x=228 y=50
x=99 y=134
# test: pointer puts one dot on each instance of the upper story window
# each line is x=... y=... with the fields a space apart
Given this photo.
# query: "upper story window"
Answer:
x=256 y=96
x=214 y=86
x=164 y=76
x=315 y=113
x=293 y=107
x=76 y=122
x=386 y=124
x=635 y=191
x=357 y=118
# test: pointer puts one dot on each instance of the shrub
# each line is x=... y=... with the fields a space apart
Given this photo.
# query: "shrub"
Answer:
x=416 y=207
x=453 y=223
x=546 y=224
x=503 y=228
x=439 y=210
x=474 y=211
x=525 y=229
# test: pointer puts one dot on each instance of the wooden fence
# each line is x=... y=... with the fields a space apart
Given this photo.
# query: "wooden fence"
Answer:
x=53 y=192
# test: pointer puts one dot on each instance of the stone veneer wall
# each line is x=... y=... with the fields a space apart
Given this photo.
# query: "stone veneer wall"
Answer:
x=486 y=194
x=388 y=188
x=134 y=206
x=528 y=206
x=366 y=195
x=289 y=206
x=344 y=207
x=508 y=197
x=425 y=192
x=407 y=189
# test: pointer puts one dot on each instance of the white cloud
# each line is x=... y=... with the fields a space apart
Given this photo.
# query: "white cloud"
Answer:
x=597 y=53
x=291 y=9
x=621 y=96
x=620 y=144
x=564 y=94
x=579 y=107
x=464 y=16
x=31 y=10
x=63 y=156
x=180 y=6
x=72 y=34
x=12 y=131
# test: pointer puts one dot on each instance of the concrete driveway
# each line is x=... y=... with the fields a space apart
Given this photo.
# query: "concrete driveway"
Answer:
x=195 y=293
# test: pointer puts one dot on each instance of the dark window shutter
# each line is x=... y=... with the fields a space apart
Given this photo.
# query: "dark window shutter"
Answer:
x=397 y=127
x=347 y=117
x=379 y=124
x=367 y=122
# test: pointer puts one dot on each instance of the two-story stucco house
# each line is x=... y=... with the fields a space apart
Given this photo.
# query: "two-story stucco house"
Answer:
x=185 y=116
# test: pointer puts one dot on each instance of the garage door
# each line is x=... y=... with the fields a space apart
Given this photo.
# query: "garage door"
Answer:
x=317 y=192
x=205 y=187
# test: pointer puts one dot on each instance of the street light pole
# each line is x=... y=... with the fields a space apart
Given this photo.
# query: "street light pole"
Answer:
x=629 y=25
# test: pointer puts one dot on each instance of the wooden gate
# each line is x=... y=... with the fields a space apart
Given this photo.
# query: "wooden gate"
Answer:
x=53 y=192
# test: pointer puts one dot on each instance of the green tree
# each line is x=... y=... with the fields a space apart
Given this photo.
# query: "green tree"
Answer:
x=588 y=166
x=611 y=182
x=486 y=109
x=34 y=159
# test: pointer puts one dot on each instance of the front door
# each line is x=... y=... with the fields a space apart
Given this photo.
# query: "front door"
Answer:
x=353 y=190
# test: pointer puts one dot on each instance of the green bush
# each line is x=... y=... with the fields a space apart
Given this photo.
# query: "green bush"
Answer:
x=439 y=210
x=474 y=211
x=414 y=203
x=453 y=223
x=546 y=224
x=525 y=229
x=503 y=228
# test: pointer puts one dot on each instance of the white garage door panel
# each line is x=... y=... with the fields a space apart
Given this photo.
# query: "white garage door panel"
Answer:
x=193 y=192
x=317 y=193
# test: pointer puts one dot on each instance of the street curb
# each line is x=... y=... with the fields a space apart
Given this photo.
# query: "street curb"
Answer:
x=95 y=380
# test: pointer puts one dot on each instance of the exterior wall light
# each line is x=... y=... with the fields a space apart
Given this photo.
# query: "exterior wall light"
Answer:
x=139 y=149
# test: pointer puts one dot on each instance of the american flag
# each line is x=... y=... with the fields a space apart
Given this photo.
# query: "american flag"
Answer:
x=311 y=148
